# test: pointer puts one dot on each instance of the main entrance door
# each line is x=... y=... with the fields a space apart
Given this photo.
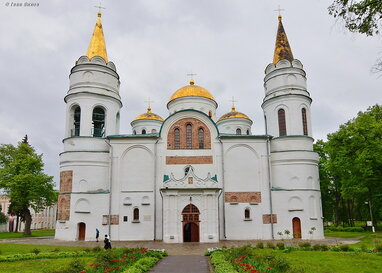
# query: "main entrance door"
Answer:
x=296 y=222
x=81 y=231
x=190 y=223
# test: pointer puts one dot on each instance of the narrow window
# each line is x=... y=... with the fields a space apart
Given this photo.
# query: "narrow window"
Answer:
x=201 y=138
x=176 y=139
x=282 y=124
x=304 y=122
x=153 y=131
x=136 y=214
x=186 y=170
x=188 y=136
x=77 y=121
x=134 y=132
x=238 y=131
x=210 y=114
x=143 y=132
x=124 y=218
x=247 y=132
x=98 y=122
x=247 y=214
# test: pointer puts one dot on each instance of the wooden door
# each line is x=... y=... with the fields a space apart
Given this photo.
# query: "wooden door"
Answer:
x=81 y=231
x=296 y=222
x=190 y=223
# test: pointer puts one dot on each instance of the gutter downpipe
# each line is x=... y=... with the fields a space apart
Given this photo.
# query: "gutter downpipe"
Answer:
x=270 y=186
x=223 y=171
x=110 y=185
x=155 y=189
x=162 y=214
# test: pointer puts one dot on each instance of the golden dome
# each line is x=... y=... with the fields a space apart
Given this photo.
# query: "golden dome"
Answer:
x=148 y=115
x=191 y=90
x=233 y=114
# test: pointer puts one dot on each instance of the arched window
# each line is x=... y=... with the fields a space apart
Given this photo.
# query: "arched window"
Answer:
x=98 y=122
x=176 y=138
x=282 y=123
x=136 y=214
x=188 y=136
x=210 y=114
x=77 y=121
x=247 y=213
x=201 y=138
x=190 y=213
x=153 y=131
x=238 y=131
x=304 y=122
x=143 y=132
x=247 y=132
x=134 y=132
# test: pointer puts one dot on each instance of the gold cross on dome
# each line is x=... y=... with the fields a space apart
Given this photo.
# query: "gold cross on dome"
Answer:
x=99 y=7
x=279 y=10
x=148 y=101
x=191 y=75
x=233 y=103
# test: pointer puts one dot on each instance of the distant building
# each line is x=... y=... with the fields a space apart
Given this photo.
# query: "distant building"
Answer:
x=45 y=219
x=191 y=177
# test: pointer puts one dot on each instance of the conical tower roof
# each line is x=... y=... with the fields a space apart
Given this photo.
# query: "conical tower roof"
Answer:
x=282 y=47
x=97 y=45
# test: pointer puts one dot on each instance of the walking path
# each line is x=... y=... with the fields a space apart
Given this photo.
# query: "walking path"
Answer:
x=173 y=249
x=182 y=263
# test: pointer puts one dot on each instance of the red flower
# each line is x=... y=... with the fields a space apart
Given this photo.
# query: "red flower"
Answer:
x=91 y=264
x=107 y=267
x=268 y=268
x=83 y=271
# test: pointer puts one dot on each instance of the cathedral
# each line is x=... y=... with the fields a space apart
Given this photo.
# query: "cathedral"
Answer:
x=191 y=176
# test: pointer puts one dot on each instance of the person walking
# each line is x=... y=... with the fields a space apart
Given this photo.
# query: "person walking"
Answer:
x=107 y=242
x=97 y=234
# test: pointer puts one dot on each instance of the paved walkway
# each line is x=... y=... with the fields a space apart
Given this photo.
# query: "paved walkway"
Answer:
x=182 y=263
x=173 y=249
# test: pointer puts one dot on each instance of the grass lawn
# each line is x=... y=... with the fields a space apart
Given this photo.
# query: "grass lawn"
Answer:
x=35 y=233
x=7 y=249
x=368 y=239
x=35 y=266
x=334 y=262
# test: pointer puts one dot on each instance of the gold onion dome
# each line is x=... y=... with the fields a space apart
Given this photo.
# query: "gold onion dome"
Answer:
x=283 y=50
x=191 y=90
x=234 y=114
x=97 y=45
x=148 y=115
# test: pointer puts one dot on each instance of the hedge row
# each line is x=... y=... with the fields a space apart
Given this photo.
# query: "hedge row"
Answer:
x=345 y=229
x=220 y=263
x=142 y=265
x=44 y=255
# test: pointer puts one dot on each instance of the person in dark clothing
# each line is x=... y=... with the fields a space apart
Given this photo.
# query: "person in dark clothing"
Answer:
x=107 y=242
x=97 y=234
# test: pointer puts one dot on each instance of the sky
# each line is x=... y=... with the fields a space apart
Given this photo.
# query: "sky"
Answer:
x=156 y=43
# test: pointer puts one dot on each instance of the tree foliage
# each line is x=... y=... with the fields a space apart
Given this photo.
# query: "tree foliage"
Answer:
x=351 y=168
x=361 y=16
x=23 y=180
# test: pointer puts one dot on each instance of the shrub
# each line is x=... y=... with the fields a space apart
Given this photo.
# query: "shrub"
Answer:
x=344 y=247
x=155 y=254
x=279 y=263
x=324 y=247
x=35 y=251
x=142 y=265
x=96 y=249
x=270 y=245
x=221 y=265
x=104 y=258
x=304 y=244
x=260 y=245
x=56 y=250
x=280 y=245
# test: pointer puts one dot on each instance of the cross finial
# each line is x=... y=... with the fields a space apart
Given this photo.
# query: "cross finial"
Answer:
x=279 y=10
x=148 y=101
x=191 y=75
x=233 y=103
x=99 y=7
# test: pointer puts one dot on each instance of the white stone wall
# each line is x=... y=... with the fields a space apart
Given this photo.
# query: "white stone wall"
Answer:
x=229 y=126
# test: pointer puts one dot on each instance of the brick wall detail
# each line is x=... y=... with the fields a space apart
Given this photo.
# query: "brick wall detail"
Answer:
x=196 y=125
x=175 y=160
x=267 y=218
x=63 y=212
x=242 y=197
x=66 y=178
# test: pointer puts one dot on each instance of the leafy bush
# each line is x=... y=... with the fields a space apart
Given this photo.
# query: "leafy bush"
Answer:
x=96 y=249
x=304 y=244
x=280 y=245
x=104 y=258
x=220 y=263
x=3 y=217
x=155 y=254
x=56 y=250
x=345 y=248
x=142 y=265
x=270 y=245
x=260 y=245
x=35 y=251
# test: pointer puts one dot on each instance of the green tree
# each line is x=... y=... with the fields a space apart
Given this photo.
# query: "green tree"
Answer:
x=23 y=180
x=3 y=217
x=351 y=167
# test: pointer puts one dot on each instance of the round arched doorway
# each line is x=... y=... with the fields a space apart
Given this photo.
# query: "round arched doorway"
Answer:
x=190 y=223
x=81 y=231
x=296 y=222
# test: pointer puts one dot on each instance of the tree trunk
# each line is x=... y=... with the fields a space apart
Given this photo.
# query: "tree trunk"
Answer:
x=28 y=222
x=17 y=223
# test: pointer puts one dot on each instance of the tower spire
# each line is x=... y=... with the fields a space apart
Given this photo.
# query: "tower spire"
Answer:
x=97 y=45
x=282 y=47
